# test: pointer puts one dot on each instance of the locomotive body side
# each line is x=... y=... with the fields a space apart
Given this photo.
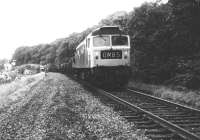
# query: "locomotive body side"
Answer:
x=81 y=59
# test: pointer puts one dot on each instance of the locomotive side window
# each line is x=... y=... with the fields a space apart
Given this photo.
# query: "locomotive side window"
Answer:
x=101 y=41
x=81 y=49
x=88 y=43
x=119 y=40
x=84 y=47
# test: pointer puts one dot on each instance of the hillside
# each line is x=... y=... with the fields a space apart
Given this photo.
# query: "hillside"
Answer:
x=55 y=107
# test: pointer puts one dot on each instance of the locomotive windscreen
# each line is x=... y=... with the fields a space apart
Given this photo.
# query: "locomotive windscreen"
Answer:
x=101 y=41
x=119 y=40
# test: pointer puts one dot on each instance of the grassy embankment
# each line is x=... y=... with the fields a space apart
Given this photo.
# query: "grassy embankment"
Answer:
x=182 y=95
x=55 y=107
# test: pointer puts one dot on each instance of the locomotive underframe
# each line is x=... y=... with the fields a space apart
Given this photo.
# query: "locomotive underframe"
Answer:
x=105 y=76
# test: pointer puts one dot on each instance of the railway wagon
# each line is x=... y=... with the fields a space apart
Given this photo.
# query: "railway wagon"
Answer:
x=104 y=57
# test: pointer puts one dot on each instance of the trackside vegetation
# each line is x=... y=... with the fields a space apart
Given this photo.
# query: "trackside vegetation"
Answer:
x=165 y=40
x=176 y=94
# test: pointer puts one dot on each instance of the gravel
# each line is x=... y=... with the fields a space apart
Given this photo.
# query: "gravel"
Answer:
x=55 y=107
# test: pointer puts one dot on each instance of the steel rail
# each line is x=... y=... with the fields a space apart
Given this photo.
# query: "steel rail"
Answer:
x=166 y=124
x=170 y=126
x=166 y=101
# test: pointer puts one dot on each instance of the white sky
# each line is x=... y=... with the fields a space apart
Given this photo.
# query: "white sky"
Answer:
x=32 y=22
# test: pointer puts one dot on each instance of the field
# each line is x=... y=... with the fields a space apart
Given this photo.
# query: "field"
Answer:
x=54 y=107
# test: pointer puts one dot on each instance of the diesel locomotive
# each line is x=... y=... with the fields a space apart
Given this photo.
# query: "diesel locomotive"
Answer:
x=103 y=56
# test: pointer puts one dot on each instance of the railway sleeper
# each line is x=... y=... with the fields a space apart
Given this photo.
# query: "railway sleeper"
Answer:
x=166 y=116
x=183 y=118
x=122 y=113
x=165 y=112
x=120 y=107
x=125 y=111
x=148 y=126
x=189 y=125
x=146 y=122
x=184 y=121
x=130 y=116
x=145 y=104
x=157 y=131
x=160 y=110
x=198 y=133
x=170 y=136
x=156 y=107
x=135 y=119
x=193 y=129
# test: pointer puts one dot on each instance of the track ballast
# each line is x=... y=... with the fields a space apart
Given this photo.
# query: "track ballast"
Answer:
x=159 y=118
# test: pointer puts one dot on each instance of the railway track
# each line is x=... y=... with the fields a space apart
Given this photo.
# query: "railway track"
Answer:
x=181 y=120
x=159 y=118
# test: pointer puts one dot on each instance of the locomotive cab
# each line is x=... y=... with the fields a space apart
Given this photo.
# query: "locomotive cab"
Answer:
x=104 y=55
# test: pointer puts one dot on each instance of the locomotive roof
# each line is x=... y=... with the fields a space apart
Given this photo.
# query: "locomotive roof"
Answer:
x=107 y=30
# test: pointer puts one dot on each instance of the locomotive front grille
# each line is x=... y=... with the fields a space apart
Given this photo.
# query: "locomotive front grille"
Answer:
x=111 y=54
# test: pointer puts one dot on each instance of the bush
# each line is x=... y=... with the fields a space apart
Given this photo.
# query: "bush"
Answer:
x=52 y=68
x=34 y=68
x=190 y=81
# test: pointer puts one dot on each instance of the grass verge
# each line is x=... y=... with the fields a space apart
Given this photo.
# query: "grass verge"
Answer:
x=178 y=95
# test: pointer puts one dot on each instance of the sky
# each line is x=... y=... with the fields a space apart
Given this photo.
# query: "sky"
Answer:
x=32 y=22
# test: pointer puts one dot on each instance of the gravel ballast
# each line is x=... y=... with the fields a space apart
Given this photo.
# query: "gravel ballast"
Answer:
x=55 y=107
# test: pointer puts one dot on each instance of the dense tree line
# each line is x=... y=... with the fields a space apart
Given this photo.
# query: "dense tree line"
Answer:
x=165 y=43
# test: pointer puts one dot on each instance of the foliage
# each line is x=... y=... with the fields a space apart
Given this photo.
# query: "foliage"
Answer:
x=119 y=18
x=165 y=40
x=34 y=68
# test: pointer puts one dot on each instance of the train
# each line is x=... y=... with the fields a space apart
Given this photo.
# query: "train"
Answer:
x=103 y=57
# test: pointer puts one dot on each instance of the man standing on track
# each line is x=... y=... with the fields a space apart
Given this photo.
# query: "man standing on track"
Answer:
x=45 y=70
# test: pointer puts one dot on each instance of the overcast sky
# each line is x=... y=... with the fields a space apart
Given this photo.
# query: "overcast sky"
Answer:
x=32 y=22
